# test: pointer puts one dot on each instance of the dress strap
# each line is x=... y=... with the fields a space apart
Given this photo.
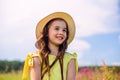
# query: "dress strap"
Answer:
x=50 y=67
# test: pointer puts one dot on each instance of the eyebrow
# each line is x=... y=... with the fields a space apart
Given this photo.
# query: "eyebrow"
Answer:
x=59 y=26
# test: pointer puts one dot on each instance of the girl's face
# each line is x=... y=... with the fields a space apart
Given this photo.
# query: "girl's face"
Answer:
x=57 y=33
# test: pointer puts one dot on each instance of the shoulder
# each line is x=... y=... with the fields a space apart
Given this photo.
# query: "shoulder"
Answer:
x=69 y=55
x=33 y=54
x=36 y=57
x=33 y=58
x=71 y=59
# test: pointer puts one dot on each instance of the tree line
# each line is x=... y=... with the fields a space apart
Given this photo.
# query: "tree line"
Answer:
x=8 y=66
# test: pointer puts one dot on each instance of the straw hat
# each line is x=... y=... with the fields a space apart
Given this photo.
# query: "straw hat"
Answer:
x=71 y=25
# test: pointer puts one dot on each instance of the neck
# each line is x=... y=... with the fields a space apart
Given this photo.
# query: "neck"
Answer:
x=53 y=49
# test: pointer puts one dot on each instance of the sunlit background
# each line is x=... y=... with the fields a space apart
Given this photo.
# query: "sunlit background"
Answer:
x=97 y=28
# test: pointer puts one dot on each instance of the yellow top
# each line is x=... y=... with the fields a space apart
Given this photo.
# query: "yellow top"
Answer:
x=55 y=71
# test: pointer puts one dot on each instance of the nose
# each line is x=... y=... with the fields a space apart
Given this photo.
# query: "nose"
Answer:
x=60 y=31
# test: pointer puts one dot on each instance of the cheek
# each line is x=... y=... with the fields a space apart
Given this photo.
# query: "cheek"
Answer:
x=51 y=33
x=65 y=35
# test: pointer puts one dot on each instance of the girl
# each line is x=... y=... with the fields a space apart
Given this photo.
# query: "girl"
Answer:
x=51 y=61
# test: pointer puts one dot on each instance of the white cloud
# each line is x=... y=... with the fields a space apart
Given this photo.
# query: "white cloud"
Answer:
x=97 y=17
x=91 y=17
x=79 y=47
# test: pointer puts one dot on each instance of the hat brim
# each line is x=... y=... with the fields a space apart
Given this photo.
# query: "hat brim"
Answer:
x=71 y=25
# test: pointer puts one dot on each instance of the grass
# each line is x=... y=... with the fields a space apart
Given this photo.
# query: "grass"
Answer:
x=11 y=75
x=89 y=73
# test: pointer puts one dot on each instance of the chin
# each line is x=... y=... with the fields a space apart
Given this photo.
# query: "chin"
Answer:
x=59 y=43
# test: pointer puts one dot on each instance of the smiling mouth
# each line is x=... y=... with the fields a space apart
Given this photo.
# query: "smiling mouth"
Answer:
x=60 y=38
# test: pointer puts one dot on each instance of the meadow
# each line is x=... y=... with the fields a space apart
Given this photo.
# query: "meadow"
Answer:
x=11 y=75
x=85 y=73
x=99 y=73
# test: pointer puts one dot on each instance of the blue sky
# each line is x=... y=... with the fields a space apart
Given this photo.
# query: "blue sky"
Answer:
x=97 y=28
x=103 y=47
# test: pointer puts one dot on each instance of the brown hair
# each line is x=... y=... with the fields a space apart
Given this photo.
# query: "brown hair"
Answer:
x=44 y=49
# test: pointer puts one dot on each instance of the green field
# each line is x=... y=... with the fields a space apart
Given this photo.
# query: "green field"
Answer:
x=12 y=70
x=85 y=73
x=11 y=75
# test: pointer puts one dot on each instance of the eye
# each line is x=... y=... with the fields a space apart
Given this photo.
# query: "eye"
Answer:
x=64 y=30
x=56 y=28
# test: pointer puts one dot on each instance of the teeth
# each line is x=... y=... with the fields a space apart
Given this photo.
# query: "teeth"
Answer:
x=60 y=38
